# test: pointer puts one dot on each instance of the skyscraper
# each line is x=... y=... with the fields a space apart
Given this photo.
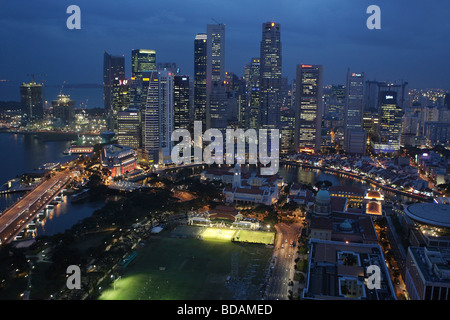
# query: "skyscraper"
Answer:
x=354 y=100
x=142 y=60
x=113 y=70
x=157 y=117
x=391 y=122
x=252 y=110
x=181 y=102
x=215 y=77
x=32 y=101
x=128 y=133
x=354 y=136
x=308 y=108
x=270 y=76
x=200 y=45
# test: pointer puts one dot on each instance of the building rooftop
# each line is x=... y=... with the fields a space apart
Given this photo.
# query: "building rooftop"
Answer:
x=430 y=213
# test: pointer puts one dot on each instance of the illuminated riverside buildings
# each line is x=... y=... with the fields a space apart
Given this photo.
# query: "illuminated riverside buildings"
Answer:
x=32 y=101
x=270 y=76
x=142 y=60
x=308 y=108
x=63 y=110
x=113 y=72
x=128 y=128
x=200 y=45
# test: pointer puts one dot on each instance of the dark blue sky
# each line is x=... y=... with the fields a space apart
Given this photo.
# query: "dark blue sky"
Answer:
x=413 y=43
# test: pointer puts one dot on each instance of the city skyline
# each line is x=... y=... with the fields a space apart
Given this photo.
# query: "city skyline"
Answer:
x=342 y=42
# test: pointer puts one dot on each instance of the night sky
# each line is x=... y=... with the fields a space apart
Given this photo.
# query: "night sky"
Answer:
x=413 y=43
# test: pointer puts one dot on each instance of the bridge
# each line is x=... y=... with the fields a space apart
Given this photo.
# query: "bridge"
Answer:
x=17 y=217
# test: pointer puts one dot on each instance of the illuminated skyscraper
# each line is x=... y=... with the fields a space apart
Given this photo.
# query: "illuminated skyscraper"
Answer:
x=354 y=135
x=308 y=108
x=270 y=76
x=157 y=116
x=200 y=45
x=354 y=101
x=128 y=130
x=390 y=122
x=142 y=60
x=113 y=70
x=32 y=101
x=251 y=117
x=216 y=109
x=181 y=102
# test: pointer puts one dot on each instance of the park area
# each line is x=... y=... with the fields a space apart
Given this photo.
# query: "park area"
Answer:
x=179 y=266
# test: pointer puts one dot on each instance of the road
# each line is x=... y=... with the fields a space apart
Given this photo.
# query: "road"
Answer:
x=18 y=216
x=283 y=261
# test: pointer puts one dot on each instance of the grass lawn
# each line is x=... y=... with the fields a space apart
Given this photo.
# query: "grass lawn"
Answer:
x=191 y=269
x=255 y=236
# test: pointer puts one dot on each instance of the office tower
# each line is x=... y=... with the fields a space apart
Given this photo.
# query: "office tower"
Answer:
x=373 y=89
x=270 y=76
x=128 y=129
x=113 y=70
x=181 y=102
x=157 y=117
x=251 y=119
x=354 y=101
x=215 y=77
x=32 y=101
x=63 y=110
x=354 y=137
x=287 y=130
x=169 y=66
x=120 y=99
x=308 y=108
x=200 y=51
x=142 y=60
x=447 y=100
x=390 y=122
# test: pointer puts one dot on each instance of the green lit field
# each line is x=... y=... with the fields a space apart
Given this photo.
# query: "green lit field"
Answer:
x=191 y=269
x=218 y=234
x=254 y=236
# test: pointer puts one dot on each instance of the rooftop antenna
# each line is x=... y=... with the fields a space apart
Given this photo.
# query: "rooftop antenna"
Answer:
x=62 y=87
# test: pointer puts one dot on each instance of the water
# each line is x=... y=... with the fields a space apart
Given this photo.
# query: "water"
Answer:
x=65 y=215
x=22 y=153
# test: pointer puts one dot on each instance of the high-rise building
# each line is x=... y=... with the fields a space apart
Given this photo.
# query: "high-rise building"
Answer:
x=216 y=116
x=32 y=101
x=270 y=76
x=287 y=130
x=200 y=52
x=120 y=99
x=390 y=122
x=142 y=60
x=113 y=71
x=354 y=100
x=250 y=116
x=181 y=102
x=63 y=110
x=128 y=129
x=308 y=108
x=157 y=117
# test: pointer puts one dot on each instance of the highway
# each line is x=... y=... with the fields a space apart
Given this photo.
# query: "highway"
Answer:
x=283 y=261
x=18 y=216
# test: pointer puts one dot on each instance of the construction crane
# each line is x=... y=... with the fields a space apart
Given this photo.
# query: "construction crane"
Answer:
x=62 y=87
